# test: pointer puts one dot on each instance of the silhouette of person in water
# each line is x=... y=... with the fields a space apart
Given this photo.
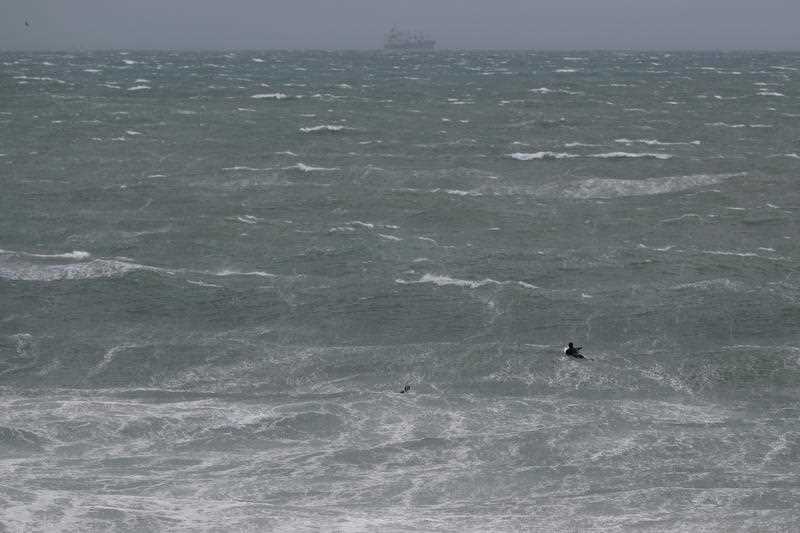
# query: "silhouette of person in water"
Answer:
x=574 y=351
x=405 y=389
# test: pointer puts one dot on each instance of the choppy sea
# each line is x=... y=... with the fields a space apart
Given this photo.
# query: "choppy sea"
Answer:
x=218 y=269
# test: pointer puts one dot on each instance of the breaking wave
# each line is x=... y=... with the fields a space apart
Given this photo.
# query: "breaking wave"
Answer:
x=612 y=187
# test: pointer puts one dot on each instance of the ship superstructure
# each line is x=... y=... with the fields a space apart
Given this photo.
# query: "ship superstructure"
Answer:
x=398 y=39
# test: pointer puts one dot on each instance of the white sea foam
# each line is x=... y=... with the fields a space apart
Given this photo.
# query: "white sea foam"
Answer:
x=654 y=142
x=203 y=283
x=133 y=133
x=97 y=268
x=76 y=254
x=39 y=78
x=323 y=128
x=682 y=217
x=725 y=252
x=139 y=88
x=441 y=280
x=522 y=156
x=458 y=192
x=610 y=187
x=275 y=96
x=725 y=125
x=626 y=155
x=708 y=284
x=362 y=224
x=258 y=273
x=308 y=168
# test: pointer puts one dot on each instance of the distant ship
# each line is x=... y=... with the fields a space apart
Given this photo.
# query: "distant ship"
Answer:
x=398 y=39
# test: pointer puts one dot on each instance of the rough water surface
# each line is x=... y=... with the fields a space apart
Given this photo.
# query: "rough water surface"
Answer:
x=218 y=269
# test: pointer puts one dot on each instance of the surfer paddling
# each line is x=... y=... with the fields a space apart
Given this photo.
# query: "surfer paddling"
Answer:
x=574 y=351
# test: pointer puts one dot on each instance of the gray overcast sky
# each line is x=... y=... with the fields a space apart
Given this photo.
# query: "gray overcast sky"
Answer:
x=553 y=24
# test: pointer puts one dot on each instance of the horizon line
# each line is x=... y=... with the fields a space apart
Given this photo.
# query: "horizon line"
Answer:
x=394 y=51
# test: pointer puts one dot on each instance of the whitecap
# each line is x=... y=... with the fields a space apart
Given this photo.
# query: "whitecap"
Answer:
x=719 y=283
x=521 y=156
x=132 y=132
x=307 y=168
x=389 y=237
x=654 y=142
x=626 y=155
x=725 y=252
x=459 y=192
x=257 y=273
x=203 y=284
x=323 y=128
x=97 y=268
x=276 y=96
x=682 y=217
x=139 y=88
x=75 y=254
x=611 y=187
x=725 y=125
x=362 y=224
x=441 y=280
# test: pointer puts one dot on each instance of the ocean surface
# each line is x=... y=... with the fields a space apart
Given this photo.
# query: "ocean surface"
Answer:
x=218 y=269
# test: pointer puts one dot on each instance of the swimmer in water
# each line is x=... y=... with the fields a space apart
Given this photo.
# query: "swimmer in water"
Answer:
x=405 y=389
x=572 y=351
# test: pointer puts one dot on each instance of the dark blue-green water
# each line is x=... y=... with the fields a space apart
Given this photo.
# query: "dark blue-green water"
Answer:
x=218 y=269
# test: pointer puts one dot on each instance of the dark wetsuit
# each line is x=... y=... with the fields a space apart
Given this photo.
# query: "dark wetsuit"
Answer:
x=574 y=352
